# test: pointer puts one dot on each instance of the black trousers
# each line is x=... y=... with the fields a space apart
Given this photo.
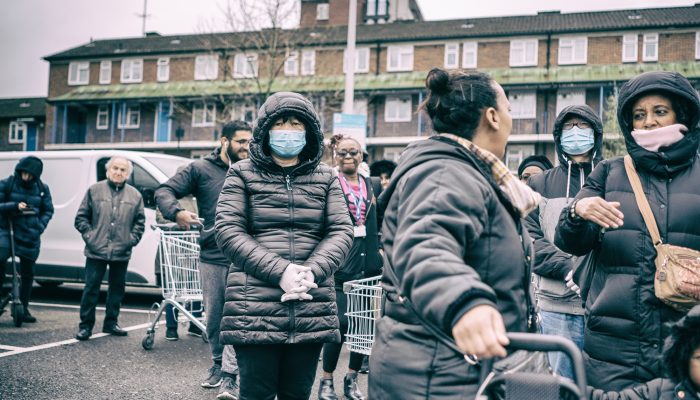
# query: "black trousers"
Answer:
x=331 y=351
x=26 y=272
x=94 y=272
x=285 y=370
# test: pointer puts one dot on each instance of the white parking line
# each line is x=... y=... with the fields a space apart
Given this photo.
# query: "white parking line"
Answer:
x=9 y=348
x=69 y=341
x=131 y=310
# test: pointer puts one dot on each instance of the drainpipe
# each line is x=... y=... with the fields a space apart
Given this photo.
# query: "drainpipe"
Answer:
x=64 y=134
x=54 y=128
x=601 y=105
x=114 y=122
x=549 y=51
x=420 y=114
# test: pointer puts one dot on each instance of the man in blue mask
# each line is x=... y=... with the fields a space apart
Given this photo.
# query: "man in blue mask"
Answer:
x=578 y=136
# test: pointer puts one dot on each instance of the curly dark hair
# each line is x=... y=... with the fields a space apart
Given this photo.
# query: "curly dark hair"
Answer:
x=681 y=344
x=457 y=99
x=230 y=128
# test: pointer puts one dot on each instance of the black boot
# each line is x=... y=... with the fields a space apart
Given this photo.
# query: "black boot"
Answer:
x=326 y=391
x=350 y=388
x=25 y=292
x=29 y=318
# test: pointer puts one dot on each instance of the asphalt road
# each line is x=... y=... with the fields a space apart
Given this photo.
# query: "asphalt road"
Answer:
x=42 y=360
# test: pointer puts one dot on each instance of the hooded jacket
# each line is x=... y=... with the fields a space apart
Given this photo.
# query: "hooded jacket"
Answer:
x=626 y=324
x=27 y=227
x=204 y=179
x=558 y=187
x=269 y=217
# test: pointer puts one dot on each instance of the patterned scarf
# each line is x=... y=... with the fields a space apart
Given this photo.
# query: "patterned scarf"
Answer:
x=520 y=195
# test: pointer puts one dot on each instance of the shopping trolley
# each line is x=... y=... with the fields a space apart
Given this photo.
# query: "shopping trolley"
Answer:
x=364 y=302
x=179 y=269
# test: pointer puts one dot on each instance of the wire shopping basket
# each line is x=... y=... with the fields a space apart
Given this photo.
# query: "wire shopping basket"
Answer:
x=364 y=303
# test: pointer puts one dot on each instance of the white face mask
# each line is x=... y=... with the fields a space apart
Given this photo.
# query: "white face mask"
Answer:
x=653 y=139
x=287 y=143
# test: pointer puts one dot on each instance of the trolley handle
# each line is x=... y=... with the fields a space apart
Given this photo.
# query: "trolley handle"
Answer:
x=172 y=226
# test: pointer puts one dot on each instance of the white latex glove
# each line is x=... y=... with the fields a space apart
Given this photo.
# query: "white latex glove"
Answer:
x=292 y=277
x=569 y=279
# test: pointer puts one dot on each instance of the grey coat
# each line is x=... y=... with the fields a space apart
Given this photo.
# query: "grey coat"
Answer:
x=268 y=217
x=111 y=220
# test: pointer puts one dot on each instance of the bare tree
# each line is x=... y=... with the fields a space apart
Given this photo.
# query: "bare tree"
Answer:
x=613 y=142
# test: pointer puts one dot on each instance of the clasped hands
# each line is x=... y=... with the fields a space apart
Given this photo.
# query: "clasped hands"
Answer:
x=296 y=282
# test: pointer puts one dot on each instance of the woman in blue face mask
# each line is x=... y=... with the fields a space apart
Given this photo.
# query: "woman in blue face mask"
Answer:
x=283 y=223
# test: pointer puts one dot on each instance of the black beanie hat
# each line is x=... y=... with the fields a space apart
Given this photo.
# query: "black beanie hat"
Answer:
x=536 y=160
x=30 y=164
x=681 y=343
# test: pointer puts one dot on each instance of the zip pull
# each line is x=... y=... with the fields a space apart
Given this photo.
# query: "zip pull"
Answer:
x=289 y=183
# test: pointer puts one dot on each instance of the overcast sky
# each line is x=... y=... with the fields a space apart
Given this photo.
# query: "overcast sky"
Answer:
x=32 y=29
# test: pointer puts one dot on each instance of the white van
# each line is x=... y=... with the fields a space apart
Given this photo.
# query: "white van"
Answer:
x=69 y=174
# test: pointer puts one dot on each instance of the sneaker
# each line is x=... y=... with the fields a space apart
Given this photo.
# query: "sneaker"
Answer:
x=229 y=388
x=171 y=334
x=193 y=330
x=364 y=369
x=350 y=388
x=326 y=391
x=214 y=378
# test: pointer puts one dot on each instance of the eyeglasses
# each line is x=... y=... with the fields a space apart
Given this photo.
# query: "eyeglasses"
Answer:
x=580 y=124
x=344 y=153
x=242 y=141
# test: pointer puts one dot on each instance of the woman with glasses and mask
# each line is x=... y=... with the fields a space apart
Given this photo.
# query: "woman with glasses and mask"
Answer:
x=283 y=224
x=626 y=324
x=364 y=259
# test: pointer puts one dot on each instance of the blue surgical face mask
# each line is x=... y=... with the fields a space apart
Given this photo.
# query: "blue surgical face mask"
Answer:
x=577 y=141
x=287 y=143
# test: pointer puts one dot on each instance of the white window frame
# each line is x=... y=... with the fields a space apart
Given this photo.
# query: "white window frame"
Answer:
x=650 y=39
x=397 y=101
x=163 y=69
x=15 y=128
x=516 y=153
x=522 y=45
x=574 y=43
x=468 y=49
x=631 y=41
x=451 y=52
x=105 y=72
x=291 y=64
x=206 y=67
x=132 y=70
x=568 y=97
x=322 y=11
x=523 y=104
x=697 y=45
x=206 y=113
x=125 y=123
x=250 y=65
x=398 y=54
x=102 y=111
x=308 y=62
x=361 y=54
x=74 y=71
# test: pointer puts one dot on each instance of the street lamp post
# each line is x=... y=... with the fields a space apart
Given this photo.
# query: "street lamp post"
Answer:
x=350 y=60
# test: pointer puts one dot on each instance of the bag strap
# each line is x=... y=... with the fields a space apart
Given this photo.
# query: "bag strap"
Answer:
x=642 y=201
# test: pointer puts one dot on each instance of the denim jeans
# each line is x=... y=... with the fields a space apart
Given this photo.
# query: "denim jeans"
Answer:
x=213 y=279
x=94 y=272
x=569 y=326
x=171 y=313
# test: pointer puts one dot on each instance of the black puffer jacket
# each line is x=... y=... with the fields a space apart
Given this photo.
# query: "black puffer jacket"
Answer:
x=558 y=186
x=625 y=325
x=658 y=389
x=455 y=243
x=27 y=228
x=268 y=217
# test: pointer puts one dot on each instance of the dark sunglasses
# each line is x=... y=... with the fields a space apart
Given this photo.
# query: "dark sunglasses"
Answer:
x=343 y=154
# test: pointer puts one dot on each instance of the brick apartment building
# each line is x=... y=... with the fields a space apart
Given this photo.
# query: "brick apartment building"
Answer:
x=22 y=123
x=172 y=93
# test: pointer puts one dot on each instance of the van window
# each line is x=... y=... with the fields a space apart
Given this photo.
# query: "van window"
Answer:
x=140 y=179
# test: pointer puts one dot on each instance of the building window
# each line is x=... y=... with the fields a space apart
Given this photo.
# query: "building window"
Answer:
x=523 y=105
x=469 y=54
x=245 y=65
x=246 y=112
x=371 y=8
x=308 y=62
x=206 y=67
x=291 y=64
x=18 y=132
x=523 y=53
x=105 y=72
x=567 y=98
x=132 y=70
x=573 y=50
x=697 y=45
x=629 y=48
x=102 y=117
x=397 y=109
x=163 y=73
x=203 y=115
x=130 y=119
x=322 y=11
x=452 y=55
x=79 y=73
x=651 y=47
x=361 y=60
x=515 y=154
x=400 y=58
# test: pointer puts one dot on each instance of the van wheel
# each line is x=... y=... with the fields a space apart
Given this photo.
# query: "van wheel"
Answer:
x=49 y=284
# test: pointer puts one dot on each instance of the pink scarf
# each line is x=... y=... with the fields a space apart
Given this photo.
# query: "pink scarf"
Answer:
x=660 y=137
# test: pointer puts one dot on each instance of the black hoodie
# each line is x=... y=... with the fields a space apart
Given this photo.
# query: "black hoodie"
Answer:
x=622 y=310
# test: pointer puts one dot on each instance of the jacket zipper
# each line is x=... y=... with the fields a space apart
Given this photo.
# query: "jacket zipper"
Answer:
x=290 y=194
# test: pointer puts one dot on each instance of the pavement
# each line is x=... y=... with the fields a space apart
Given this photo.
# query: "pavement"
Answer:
x=43 y=360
